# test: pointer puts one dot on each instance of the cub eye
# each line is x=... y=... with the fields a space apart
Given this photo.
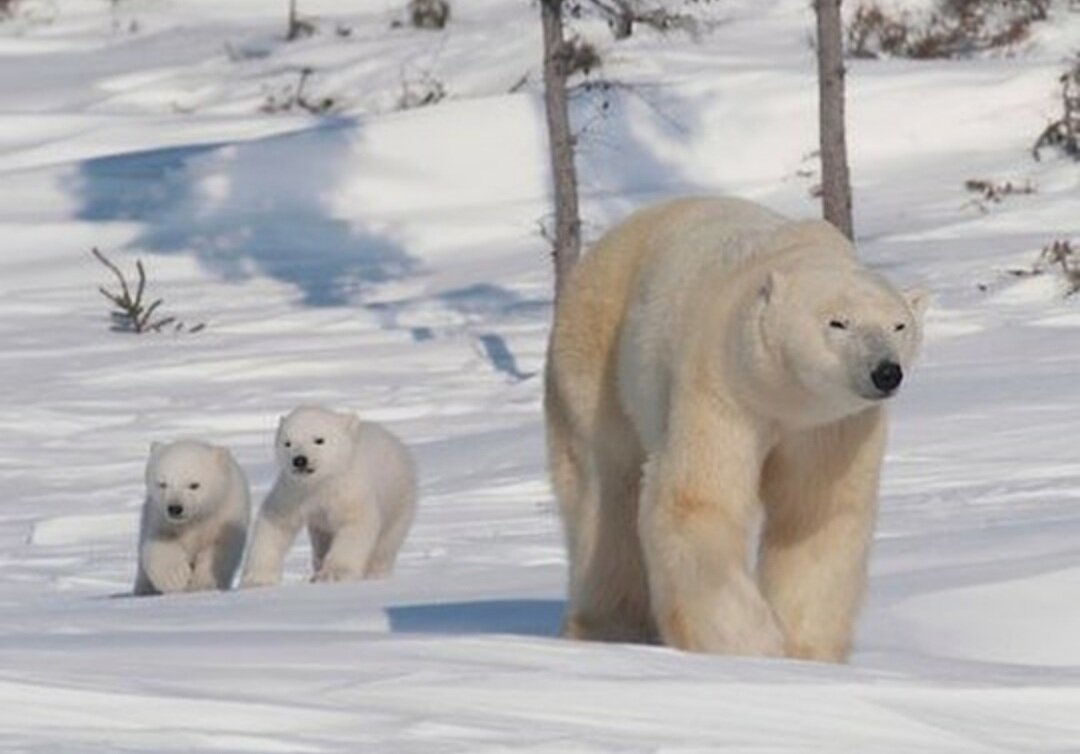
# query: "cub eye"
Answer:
x=899 y=326
x=319 y=441
x=837 y=324
x=288 y=444
x=193 y=486
x=162 y=485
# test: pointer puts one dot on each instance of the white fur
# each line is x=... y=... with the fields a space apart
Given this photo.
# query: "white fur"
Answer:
x=201 y=544
x=712 y=361
x=357 y=498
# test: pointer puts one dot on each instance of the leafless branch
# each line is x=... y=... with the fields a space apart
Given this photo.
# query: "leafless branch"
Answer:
x=130 y=313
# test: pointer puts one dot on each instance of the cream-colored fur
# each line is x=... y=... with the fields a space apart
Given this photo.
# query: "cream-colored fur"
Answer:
x=356 y=494
x=712 y=361
x=194 y=520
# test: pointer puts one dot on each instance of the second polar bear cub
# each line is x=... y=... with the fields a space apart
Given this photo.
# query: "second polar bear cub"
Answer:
x=350 y=482
x=194 y=520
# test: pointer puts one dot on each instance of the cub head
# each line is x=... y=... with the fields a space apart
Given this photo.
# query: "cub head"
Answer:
x=846 y=337
x=314 y=443
x=186 y=479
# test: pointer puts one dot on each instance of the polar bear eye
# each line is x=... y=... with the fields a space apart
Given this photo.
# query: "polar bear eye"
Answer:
x=162 y=485
x=319 y=441
x=899 y=326
x=837 y=324
x=288 y=444
x=193 y=486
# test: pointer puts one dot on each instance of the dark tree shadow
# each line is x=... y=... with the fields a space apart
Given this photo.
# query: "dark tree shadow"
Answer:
x=521 y=617
x=257 y=207
x=482 y=307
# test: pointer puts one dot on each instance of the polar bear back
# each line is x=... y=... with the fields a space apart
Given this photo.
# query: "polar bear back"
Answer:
x=386 y=467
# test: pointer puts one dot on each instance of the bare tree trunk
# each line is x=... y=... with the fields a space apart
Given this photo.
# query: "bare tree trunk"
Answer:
x=835 y=179
x=294 y=27
x=567 y=218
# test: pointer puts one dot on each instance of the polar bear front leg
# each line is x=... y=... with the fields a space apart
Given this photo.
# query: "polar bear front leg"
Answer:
x=271 y=540
x=820 y=492
x=698 y=500
x=350 y=551
x=202 y=574
x=216 y=565
x=166 y=565
x=320 y=545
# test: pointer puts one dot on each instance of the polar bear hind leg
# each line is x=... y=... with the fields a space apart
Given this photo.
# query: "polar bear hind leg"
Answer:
x=596 y=472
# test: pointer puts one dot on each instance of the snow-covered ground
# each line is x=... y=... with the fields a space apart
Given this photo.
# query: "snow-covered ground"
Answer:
x=389 y=261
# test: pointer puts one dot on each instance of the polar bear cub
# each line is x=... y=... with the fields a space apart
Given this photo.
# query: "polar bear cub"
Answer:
x=350 y=482
x=194 y=520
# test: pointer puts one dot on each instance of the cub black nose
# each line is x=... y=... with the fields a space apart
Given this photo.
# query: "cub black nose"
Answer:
x=887 y=376
x=299 y=462
x=175 y=510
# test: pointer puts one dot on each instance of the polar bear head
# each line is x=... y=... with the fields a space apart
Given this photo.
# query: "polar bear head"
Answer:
x=186 y=479
x=843 y=336
x=314 y=443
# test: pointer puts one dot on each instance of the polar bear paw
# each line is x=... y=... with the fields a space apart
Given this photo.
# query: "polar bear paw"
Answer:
x=332 y=572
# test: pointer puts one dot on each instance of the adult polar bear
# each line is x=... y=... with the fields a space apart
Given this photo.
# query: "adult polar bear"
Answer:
x=710 y=359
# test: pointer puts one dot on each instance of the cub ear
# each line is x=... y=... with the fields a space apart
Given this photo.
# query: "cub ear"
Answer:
x=221 y=455
x=918 y=299
x=771 y=288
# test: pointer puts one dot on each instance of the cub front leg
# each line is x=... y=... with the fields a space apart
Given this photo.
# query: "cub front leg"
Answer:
x=271 y=540
x=350 y=551
x=216 y=565
x=320 y=545
x=202 y=575
x=166 y=565
x=698 y=501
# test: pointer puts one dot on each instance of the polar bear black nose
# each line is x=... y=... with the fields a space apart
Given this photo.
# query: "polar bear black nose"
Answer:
x=299 y=462
x=887 y=376
x=175 y=510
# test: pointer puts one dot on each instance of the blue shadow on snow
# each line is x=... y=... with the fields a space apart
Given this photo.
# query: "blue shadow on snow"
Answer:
x=249 y=208
x=521 y=617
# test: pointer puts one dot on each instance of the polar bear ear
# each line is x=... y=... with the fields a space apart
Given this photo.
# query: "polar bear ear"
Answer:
x=221 y=455
x=352 y=422
x=770 y=289
x=918 y=299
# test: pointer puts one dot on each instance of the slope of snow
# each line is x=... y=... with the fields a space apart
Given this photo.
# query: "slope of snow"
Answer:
x=390 y=262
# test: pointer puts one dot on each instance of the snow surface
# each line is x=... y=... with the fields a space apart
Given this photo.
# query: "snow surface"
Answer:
x=390 y=261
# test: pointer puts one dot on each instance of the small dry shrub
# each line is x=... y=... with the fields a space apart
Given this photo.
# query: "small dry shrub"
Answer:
x=421 y=92
x=989 y=192
x=953 y=28
x=624 y=16
x=1064 y=133
x=579 y=56
x=131 y=312
x=291 y=97
x=1059 y=255
x=429 y=14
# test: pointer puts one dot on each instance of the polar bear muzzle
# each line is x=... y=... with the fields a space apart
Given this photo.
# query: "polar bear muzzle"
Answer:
x=887 y=376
